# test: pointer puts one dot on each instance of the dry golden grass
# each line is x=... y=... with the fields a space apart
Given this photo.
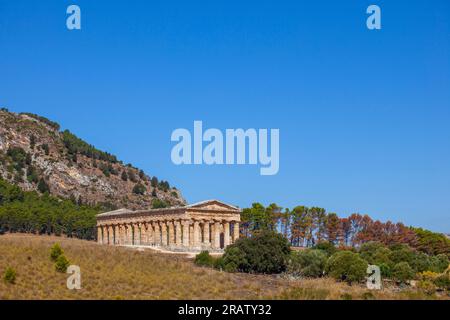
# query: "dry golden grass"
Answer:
x=123 y=273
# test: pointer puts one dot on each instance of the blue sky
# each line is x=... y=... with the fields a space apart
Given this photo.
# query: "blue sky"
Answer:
x=363 y=115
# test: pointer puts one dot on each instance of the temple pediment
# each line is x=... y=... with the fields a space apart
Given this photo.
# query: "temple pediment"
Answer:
x=213 y=205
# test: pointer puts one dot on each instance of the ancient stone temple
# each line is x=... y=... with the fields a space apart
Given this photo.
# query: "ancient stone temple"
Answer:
x=209 y=225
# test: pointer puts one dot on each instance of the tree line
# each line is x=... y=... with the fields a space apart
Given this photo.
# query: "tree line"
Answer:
x=29 y=212
x=307 y=226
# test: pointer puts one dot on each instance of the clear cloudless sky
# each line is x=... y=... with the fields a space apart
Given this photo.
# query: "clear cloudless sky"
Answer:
x=364 y=116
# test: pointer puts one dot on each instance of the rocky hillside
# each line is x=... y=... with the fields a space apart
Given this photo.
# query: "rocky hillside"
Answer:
x=36 y=155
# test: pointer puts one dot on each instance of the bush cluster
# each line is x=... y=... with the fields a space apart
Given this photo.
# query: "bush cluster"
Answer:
x=10 y=275
x=57 y=256
x=269 y=252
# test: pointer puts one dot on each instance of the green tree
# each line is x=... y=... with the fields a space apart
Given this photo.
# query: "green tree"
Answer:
x=308 y=263
x=234 y=258
x=46 y=149
x=56 y=251
x=402 y=272
x=62 y=263
x=265 y=252
x=439 y=263
x=154 y=182
x=347 y=266
x=43 y=186
x=32 y=141
x=326 y=247
x=139 y=188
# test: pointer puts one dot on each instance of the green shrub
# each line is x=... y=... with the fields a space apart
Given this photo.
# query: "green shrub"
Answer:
x=265 y=252
x=427 y=286
x=385 y=270
x=308 y=263
x=62 y=263
x=139 y=188
x=346 y=296
x=219 y=264
x=439 y=263
x=10 y=275
x=368 y=296
x=158 y=204
x=56 y=251
x=346 y=266
x=401 y=253
x=327 y=247
x=420 y=262
x=375 y=253
x=43 y=186
x=443 y=281
x=204 y=259
x=367 y=250
x=234 y=259
x=402 y=272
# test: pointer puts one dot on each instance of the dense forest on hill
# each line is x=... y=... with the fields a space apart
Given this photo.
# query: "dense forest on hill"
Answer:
x=29 y=212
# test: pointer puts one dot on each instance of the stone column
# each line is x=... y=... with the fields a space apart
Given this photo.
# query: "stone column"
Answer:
x=139 y=235
x=150 y=234
x=124 y=234
x=226 y=234
x=144 y=234
x=147 y=233
x=116 y=234
x=178 y=233
x=157 y=234
x=186 y=233
x=111 y=235
x=154 y=233
x=99 y=235
x=121 y=234
x=216 y=244
x=130 y=234
x=196 y=234
x=206 y=239
x=171 y=232
x=191 y=234
x=127 y=234
x=137 y=238
x=235 y=231
x=163 y=233
x=105 y=237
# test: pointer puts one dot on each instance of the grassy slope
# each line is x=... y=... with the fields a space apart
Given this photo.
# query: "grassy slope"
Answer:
x=121 y=273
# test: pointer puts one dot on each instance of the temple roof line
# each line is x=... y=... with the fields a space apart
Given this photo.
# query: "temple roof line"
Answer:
x=197 y=205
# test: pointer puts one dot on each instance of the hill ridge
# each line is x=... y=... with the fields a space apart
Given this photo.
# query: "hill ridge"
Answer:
x=36 y=155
